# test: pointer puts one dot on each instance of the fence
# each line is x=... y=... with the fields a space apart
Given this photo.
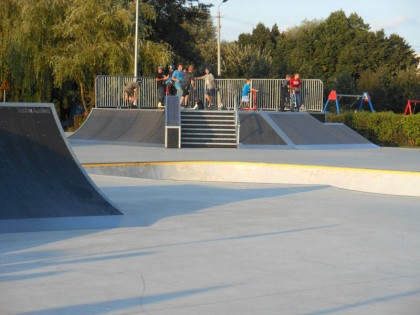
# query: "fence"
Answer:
x=109 y=93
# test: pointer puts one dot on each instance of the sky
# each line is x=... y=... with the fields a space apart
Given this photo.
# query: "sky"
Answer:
x=401 y=17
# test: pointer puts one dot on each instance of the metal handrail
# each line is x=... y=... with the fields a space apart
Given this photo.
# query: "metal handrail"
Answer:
x=109 y=92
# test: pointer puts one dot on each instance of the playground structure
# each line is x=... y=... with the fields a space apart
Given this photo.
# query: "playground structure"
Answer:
x=408 y=108
x=333 y=96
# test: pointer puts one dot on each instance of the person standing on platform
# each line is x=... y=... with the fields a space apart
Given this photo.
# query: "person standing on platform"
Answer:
x=178 y=78
x=245 y=94
x=295 y=85
x=170 y=87
x=210 y=86
x=187 y=85
x=130 y=91
x=285 y=93
x=160 y=81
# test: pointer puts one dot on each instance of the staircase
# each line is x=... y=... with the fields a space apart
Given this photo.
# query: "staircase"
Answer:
x=208 y=129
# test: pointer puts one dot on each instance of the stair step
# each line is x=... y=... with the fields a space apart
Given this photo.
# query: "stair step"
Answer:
x=208 y=129
x=201 y=134
x=201 y=123
x=207 y=112
x=195 y=118
x=217 y=130
x=197 y=144
x=208 y=139
x=212 y=121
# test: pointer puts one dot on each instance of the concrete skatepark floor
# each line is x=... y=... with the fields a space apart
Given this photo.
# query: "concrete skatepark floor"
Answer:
x=223 y=248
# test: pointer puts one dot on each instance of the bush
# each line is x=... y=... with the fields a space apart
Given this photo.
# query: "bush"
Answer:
x=410 y=127
x=383 y=128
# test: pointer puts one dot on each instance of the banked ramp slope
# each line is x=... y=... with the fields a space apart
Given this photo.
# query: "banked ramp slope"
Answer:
x=297 y=130
x=40 y=176
x=128 y=125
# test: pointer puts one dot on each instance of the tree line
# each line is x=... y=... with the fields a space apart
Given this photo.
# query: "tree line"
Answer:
x=52 y=50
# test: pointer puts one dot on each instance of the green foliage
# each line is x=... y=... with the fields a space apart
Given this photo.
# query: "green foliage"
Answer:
x=245 y=61
x=384 y=129
x=186 y=29
x=410 y=126
x=344 y=83
x=390 y=90
x=52 y=50
x=346 y=56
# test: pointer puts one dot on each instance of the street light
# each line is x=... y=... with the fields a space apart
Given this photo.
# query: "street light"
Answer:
x=218 y=38
x=137 y=39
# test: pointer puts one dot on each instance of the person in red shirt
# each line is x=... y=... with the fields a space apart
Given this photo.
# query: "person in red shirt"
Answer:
x=295 y=85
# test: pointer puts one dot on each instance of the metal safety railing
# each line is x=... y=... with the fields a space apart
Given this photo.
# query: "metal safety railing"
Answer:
x=109 y=93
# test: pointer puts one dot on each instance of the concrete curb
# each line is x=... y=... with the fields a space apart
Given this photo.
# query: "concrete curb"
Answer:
x=401 y=183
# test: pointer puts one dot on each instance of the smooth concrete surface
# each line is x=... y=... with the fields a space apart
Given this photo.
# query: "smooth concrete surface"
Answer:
x=373 y=181
x=223 y=248
x=398 y=159
x=382 y=171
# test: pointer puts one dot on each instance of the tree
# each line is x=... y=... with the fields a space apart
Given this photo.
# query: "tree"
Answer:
x=8 y=39
x=245 y=61
x=93 y=39
x=262 y=39
x=184 y=28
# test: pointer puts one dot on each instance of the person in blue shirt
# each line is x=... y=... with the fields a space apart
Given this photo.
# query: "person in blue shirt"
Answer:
x=245 y=93
x=178 y=78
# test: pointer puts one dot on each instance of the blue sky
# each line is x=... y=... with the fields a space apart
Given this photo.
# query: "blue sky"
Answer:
x=401 y=17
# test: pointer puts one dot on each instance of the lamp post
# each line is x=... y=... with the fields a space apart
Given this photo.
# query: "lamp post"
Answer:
x=136 y=44
x=218 y=39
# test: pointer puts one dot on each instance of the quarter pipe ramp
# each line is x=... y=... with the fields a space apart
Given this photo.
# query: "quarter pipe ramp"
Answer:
x=40 y=176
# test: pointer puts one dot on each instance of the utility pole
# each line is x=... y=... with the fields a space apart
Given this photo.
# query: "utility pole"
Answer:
x=219 y=71
x=136 y=40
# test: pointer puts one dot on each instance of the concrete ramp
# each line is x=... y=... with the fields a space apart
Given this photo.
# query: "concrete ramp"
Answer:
x=40 y=176
x=256 y=131
x=300 y=130
x=303 y=129
x=123 y=125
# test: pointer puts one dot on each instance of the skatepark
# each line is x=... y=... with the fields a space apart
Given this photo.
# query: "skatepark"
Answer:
x=302 y=217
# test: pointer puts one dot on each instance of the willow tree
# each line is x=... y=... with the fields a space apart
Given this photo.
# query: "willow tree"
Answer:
x=26 y=48
x=8 y=23
x=95 y=37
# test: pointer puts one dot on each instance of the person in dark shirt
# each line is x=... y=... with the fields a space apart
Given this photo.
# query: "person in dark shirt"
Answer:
x=170 y=84
x=160 y=81
x=285 y=93
x=187 y=85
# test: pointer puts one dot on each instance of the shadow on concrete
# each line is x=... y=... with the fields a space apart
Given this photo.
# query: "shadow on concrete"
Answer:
x=59 y=259
x=118 y=305
x=146 y=205
x=383 y=299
